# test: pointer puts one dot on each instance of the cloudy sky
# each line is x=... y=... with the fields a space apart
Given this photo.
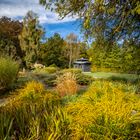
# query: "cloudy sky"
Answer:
x=17 y=9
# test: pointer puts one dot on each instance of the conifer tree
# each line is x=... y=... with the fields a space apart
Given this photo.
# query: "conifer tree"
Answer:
x=30 y=38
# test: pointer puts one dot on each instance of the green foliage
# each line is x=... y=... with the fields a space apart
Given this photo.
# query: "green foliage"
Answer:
x=9 y=42
x=47 y=70
x=83 y=79
x=115 y=58
x=108 y=28
x=52 y=52
x=50 y=80
x=100 y=18
x=8 y=72
x=51 y=69
x=30 y=38
x=130 y=58
x=72 y=70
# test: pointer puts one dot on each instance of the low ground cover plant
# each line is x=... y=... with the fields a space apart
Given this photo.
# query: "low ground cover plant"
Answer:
x=8 y=72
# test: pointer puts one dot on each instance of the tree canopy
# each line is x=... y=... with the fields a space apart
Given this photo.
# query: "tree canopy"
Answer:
x=52 y=51
x=9 y=43
x=109 y=19
x=30 y=38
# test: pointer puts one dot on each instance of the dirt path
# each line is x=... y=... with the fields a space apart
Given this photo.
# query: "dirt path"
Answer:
x=3 y=101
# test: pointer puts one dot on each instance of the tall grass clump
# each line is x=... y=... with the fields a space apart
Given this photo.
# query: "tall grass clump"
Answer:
x=8 y=72
x=106 y=112
x=66 y=84
x=34 y=114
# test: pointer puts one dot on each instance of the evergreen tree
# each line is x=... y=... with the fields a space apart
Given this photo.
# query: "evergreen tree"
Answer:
x=30 y=38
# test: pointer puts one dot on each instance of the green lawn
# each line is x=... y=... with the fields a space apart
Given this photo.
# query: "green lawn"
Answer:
x=107 y=75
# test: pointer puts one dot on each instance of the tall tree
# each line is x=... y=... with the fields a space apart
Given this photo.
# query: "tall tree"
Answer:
x=30 y=38
x=9 y=42
x=52 y=51
x=72 y=48
x=130 y=60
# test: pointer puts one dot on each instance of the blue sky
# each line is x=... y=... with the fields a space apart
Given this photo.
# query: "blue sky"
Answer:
x=17 y=9
x=63 y=28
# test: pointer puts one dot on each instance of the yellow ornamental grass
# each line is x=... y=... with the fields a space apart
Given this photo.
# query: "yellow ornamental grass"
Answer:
x=32 y=91
x=33 y=87
x=66 y=84
x=102 y=109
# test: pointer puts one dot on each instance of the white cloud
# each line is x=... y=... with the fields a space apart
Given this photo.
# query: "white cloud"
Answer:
x=19 y=8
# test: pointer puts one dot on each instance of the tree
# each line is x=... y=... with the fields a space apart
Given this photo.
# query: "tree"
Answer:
x=113 y=58
x=30 y=38
x=9 y=42
x=101 y=57
x=72 y=48
x=130 y=59
x=52 y=51
x=107 y=19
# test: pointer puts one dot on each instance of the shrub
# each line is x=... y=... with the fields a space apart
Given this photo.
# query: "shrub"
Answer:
x=47 y=79
x=34 y=87
x=83 y=79
x=50 y=80
x=8 y=72
x=72 y=70
x=50 y=69
x=66 y=84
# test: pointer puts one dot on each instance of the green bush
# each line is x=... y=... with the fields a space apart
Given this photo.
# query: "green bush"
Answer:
x=50 y=80
x=51 y=69
x=72 y=70
x=8 y=72
x=48 y=70
x=83 y=79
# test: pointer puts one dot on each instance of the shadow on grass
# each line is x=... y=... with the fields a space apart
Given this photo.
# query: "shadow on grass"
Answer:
x=125 y=79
